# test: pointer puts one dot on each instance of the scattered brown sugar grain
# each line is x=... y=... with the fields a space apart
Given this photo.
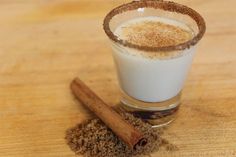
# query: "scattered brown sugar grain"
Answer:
x=93 y=138
x=154 y=34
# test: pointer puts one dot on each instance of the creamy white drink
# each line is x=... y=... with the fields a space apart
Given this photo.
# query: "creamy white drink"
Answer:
x=152 y=76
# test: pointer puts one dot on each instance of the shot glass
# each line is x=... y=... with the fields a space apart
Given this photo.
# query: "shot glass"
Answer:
x=151 y=78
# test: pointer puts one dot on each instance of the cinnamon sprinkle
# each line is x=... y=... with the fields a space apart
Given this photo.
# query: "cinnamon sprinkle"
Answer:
x=154 y=33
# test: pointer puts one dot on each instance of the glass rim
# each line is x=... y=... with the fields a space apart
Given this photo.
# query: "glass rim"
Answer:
x=164 y=5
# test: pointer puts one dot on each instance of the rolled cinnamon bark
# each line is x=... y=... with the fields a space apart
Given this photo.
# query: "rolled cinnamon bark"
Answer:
x=131 y=136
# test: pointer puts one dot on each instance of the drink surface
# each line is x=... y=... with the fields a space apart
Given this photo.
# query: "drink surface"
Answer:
x=154 y=32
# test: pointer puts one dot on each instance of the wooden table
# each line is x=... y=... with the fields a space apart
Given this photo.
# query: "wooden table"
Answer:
x=45 y=44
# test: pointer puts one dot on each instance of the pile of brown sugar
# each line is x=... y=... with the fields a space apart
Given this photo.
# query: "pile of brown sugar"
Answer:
x=94 y=139
x=154 y=34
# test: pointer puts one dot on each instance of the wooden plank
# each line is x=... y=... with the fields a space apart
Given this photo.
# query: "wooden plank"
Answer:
x=45 y=44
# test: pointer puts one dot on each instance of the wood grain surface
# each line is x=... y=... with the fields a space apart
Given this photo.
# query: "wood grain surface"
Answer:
x=44 y=44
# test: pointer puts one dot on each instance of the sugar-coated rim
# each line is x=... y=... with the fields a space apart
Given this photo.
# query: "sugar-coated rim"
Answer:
x=164 y=5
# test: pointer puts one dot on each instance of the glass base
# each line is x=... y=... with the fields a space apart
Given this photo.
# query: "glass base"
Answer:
x=158 y=114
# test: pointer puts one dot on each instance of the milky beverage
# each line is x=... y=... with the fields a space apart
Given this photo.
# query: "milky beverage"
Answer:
x=152 y=76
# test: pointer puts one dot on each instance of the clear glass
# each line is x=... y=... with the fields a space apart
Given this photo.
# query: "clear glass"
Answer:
x=151 y=78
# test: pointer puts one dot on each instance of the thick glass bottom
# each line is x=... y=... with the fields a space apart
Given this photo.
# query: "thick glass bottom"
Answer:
x=158 y=114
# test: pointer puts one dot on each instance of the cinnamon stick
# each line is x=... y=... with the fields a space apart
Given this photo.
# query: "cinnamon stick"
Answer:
x=112 y=119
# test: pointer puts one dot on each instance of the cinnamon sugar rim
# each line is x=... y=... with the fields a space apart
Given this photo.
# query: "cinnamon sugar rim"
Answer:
x=164 y=5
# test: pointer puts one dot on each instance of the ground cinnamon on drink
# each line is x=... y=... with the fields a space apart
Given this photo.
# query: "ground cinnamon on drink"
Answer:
x=93 y=138
x=145 y=32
